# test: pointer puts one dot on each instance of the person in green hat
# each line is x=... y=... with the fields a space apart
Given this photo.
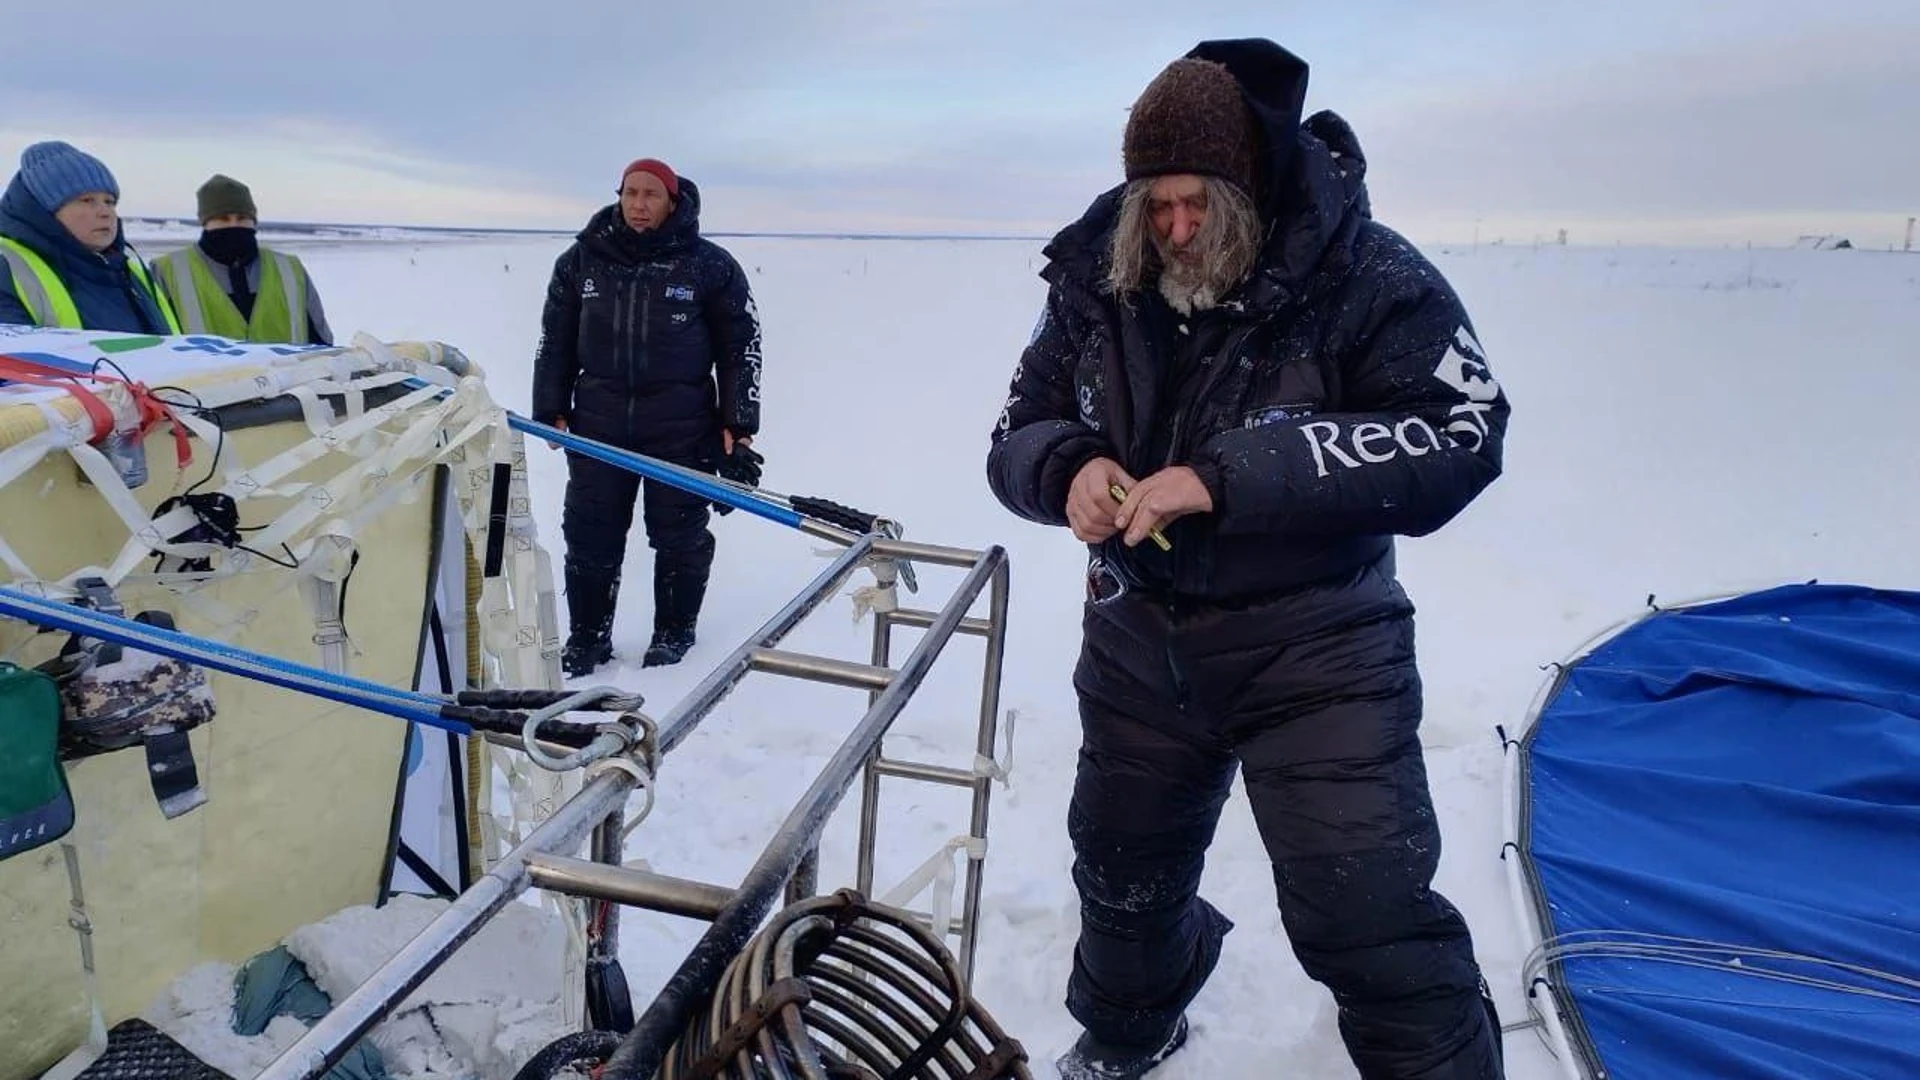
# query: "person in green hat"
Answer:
x=227 y=284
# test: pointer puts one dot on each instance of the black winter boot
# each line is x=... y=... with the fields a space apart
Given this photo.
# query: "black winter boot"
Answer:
x=591 y=595
x=1092 y=1060
x=678 y=591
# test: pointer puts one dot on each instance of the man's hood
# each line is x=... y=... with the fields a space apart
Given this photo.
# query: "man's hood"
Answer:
x=1313 y=174
x=1273 y=82
x=607 y=232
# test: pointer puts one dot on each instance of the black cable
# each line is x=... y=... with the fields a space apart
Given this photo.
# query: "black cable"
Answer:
x=202 y=507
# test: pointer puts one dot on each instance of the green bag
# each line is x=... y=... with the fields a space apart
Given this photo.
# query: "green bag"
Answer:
x=36 y=806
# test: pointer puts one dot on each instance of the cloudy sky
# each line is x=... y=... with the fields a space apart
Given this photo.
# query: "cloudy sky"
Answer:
x=1642 y=120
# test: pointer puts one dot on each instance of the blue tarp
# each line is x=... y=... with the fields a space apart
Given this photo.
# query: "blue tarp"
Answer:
x=1744 y=777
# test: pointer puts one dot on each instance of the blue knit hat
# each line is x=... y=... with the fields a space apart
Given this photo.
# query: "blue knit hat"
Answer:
x=55 y=173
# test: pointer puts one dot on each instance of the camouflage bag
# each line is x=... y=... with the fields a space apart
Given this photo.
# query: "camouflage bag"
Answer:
x=117 y=697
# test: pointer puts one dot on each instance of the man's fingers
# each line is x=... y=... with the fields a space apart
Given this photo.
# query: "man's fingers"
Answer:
x=1136 y=497
x=1092 y=520
x=1144 y=519
x=1146 y=509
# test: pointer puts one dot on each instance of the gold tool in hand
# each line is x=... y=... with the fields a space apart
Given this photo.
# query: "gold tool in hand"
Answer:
x=1120 y=495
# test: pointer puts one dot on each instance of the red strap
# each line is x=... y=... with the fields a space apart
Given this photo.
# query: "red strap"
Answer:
x=151 y=409
x=14 y=369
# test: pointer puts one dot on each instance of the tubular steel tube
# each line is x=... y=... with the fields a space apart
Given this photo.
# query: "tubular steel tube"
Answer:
x=637 y=888
x=932 y=774
x=654 y=1033
x=940 y=554
x=806 y=877
x=883 y=623
x=919 y=619
x=823 y=669
x=685 y=716
x=332 y=1035
x=824 y=531
x=983 y=784
x=610 y=1006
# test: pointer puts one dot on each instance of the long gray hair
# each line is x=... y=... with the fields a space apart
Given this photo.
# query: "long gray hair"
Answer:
x=1228 y=243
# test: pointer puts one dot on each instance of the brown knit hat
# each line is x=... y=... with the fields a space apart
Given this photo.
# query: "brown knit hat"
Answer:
x=1192 y=119
x=225 y=195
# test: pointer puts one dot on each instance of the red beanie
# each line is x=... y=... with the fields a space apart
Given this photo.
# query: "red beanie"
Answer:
x=660 y=171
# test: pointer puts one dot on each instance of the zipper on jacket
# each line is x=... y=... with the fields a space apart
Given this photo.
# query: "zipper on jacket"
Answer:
x=623 y=332
x=641 y=359
x=646 y=320
x=1186 y=562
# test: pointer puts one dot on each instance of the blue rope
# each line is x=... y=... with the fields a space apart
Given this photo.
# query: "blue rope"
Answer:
x=346 y=689
x=654 y=469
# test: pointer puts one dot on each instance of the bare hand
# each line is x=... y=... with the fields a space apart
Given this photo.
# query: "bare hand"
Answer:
x=727 y=440
x=559 y=422
x=1159 y=500
x=1090 y=505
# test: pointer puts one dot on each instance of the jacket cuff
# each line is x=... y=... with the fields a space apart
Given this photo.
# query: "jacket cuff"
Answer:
x=1209 y=473
x=1068 y=460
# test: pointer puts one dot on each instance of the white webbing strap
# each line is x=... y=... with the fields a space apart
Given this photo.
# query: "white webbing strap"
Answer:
x=1000 y=770
x=148 y=535
x=15 y=461
x=938 y=872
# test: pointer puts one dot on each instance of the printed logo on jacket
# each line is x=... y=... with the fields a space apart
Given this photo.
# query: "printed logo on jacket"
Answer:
x=1463 y=367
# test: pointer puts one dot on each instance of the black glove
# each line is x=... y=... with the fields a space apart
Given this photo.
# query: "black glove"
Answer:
x=743 y=465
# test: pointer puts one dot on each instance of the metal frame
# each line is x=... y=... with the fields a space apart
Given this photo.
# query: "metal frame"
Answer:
x=787 y=867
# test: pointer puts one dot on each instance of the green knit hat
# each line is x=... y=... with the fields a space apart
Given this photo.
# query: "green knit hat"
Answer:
x=225 y=195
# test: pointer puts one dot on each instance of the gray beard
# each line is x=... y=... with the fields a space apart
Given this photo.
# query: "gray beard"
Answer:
x=1187 y=292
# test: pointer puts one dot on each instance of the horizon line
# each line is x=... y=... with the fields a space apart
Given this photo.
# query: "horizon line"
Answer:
x=312 y=227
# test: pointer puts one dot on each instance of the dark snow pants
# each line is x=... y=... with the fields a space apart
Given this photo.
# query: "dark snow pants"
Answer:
x=598 y=514
x=1317 y=696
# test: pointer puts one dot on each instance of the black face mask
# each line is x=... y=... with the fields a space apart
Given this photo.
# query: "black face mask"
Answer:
x=235 y=245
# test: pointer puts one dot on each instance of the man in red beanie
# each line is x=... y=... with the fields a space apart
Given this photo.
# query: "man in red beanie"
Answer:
x=1279 y=385
x=649 y=341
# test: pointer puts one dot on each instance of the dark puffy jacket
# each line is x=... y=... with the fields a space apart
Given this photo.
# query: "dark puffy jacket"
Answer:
x=102 y=288
x=649 y=340
x=1335 y=400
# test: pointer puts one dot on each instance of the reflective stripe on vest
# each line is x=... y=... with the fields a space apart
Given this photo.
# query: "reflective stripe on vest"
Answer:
x=205 y=307
x=47 y=298
x=40 y=290
x=145 y=280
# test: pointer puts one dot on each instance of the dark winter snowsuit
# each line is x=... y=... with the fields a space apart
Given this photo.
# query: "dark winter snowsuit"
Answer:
x=650 y=342
x=1335 y=400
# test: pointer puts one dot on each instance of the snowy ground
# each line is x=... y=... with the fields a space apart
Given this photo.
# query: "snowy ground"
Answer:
x=1684 y=422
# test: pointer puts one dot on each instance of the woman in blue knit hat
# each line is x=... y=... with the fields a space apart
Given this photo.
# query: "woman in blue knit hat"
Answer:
x=64 y=259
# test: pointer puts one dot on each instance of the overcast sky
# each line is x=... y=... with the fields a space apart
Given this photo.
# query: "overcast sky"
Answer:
x=1640 y=120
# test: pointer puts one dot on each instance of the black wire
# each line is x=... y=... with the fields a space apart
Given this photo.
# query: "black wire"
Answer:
x=212 y=416
x=292 y=564
x=109 y=361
